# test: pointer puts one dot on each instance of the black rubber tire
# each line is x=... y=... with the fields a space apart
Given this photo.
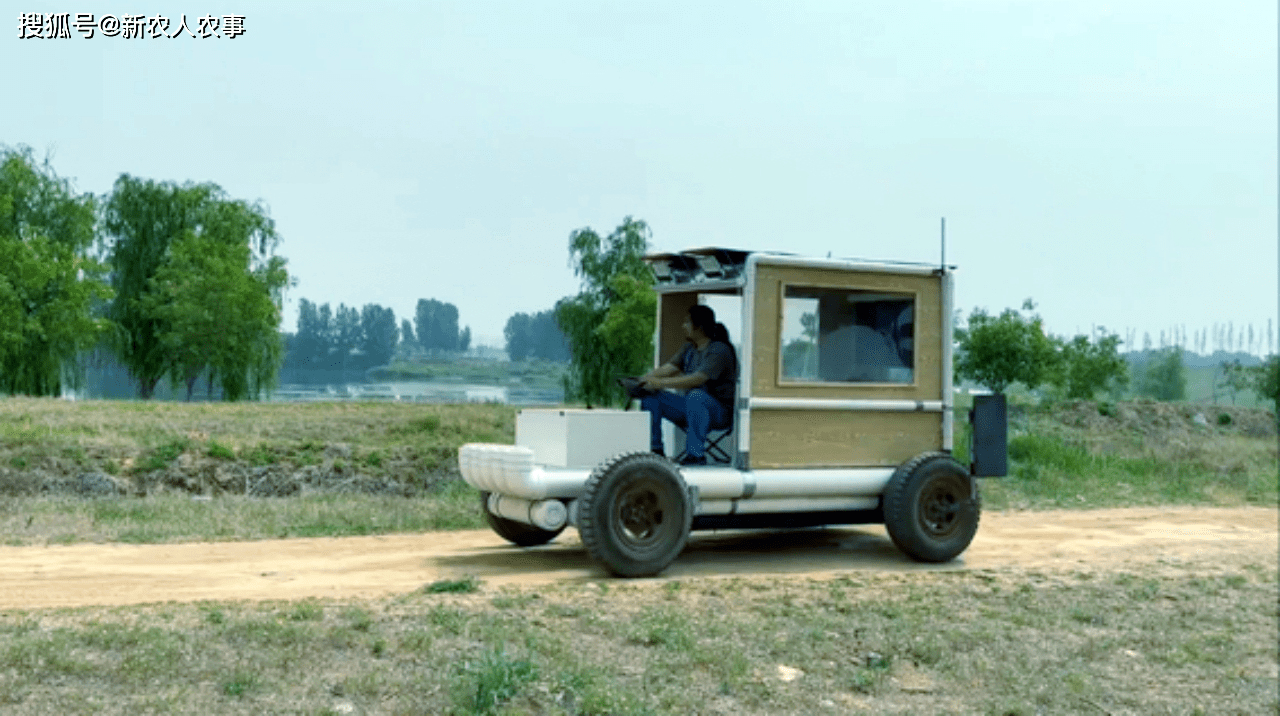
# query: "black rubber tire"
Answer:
x=931 y=508
x=635 y=515
x=517 y=533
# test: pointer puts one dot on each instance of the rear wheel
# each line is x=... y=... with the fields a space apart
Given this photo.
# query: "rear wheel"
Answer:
x=635 y=515
x=931 y=508
x=517 y=533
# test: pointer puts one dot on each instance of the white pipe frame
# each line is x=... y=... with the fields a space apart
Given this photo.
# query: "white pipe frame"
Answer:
x=859 y=404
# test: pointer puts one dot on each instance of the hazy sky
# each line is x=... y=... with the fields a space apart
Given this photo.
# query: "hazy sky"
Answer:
x=1116 y=161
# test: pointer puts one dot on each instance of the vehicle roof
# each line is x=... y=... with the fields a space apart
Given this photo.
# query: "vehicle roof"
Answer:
x=720 y=267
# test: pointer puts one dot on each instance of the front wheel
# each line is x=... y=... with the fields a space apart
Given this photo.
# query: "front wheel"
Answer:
x=931 y=508
x=517 y=533
x=635 y=515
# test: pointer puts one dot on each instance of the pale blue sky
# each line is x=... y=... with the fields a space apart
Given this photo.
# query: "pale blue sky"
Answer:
x=1116 y=161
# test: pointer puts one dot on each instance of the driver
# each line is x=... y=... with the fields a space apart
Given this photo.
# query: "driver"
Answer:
x=707 y=369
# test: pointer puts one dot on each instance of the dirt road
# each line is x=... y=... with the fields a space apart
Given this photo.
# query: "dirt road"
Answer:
x=1063 y=541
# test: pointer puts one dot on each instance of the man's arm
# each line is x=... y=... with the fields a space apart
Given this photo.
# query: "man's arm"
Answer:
x=683 y=382
x=665 y=370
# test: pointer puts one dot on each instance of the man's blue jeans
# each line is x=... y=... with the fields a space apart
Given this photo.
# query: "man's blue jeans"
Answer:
x=696 y=411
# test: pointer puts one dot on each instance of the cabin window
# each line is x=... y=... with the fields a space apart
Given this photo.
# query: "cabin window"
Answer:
x=836 y=335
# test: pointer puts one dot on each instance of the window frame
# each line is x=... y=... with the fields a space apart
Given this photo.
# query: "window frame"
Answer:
x=780 y=381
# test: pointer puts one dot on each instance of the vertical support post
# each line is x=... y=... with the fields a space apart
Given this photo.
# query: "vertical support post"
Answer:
x=948 y=393
x=746 y=355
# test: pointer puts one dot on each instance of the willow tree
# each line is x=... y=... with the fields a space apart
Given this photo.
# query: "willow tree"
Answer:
x=143 y=220
x=610 y=323
x=218 y=315
x=50 y=288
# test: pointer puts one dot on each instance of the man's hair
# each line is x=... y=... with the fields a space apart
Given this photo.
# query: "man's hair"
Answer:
x=704 y=319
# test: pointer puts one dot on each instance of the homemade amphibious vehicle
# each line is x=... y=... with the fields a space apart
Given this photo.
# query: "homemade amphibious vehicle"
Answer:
x=844 y=415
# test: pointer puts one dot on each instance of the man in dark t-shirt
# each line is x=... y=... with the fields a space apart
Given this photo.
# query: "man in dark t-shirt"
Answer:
x=707 y=369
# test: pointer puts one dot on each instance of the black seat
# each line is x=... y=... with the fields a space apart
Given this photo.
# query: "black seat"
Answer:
x=714 y=452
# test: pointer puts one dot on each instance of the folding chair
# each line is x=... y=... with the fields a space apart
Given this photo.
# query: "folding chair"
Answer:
x=714 y=452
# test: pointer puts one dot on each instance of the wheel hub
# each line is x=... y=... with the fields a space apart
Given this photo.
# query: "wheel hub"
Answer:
x=939 y=506
x=639 y=513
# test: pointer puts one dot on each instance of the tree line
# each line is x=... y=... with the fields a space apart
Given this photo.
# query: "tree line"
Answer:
x=999 y=351
x=353 y=339
x=177 y=280
x=538 y=335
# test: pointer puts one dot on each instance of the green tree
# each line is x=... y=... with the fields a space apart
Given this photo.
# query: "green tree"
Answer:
x=346 y=333
x=1264 y=379
x=310 y=343
x=406 y=333
x=436 y=325
x=610 y=323
x=519 y=337
x=49 y=287
x=535 y=336
x=217 y=316
x=379 y=334
x=1087 y=367
x=1164 y=377
x=1011 y=348
x=142 y=220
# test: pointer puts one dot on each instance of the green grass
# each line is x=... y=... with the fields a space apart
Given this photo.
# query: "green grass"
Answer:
x=493 y=680
x=1163 y=641
x=466 y=585
x=1048 y=472
x=168 y=452
x=1135 y=454
x=178 y=518
x=393 y=440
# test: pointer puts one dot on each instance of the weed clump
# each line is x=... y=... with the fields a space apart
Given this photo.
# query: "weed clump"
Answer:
x=466 y=585
x=495 y=679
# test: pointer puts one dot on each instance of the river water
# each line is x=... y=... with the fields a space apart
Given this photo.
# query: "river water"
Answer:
x=416 y=392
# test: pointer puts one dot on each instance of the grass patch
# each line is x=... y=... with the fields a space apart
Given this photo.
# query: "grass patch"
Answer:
x=1084 y=455
x=159 y=457
x=399 y=441
x=359 y=461
x=492 y=681
x=1152 y=641
x=466 y=585
x=168 y=517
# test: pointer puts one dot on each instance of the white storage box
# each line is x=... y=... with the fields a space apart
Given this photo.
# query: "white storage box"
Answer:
x=581 y=438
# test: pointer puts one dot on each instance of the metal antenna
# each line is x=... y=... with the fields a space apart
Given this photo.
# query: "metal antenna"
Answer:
x=944 y=244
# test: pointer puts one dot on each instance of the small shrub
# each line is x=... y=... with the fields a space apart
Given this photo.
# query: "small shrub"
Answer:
x=261 y=456
x=663 y=628
x=1224 y=418
x=240 y=683
x=426 y=424
x=466 y=585
x=219 y=451
x=162 y=455
x=305 y=611
x=497 y=678
x=360 y=619
x=1107 y=409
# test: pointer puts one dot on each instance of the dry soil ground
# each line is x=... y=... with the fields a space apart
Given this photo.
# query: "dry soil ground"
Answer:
x=1136 y=540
